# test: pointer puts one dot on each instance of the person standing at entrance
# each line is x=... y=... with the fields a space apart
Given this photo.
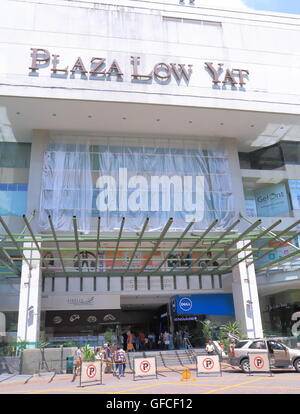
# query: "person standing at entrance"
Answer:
x=124 y=335
x=166 y=339
x=210 y=349
x=130 y=346
x=107 y=358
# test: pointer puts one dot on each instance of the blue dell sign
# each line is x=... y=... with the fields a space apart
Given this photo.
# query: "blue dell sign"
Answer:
x=204 y=304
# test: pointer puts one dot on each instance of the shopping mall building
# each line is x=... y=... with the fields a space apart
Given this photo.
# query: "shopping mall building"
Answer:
x=149 y=168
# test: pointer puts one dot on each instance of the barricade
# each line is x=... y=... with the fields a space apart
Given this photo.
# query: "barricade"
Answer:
x=208 y=365
x=144 y=368
x=91 y=373
x=259 y=362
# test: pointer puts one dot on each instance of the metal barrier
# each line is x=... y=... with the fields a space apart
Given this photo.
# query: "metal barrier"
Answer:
x=51 y=366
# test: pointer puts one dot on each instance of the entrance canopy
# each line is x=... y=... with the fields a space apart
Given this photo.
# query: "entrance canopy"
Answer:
x=145 y=253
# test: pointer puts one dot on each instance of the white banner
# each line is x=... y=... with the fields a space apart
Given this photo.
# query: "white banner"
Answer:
x=115 y=178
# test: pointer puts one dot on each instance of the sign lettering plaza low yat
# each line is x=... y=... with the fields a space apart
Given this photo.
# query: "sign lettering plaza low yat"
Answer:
x=161 y=71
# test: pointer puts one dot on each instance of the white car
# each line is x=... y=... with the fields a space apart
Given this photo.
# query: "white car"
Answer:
x=280 y=355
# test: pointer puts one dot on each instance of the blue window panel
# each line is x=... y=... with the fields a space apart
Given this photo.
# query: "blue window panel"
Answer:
x=3 y=187
x=22 y=187
x=13 y=203
x=12 y=187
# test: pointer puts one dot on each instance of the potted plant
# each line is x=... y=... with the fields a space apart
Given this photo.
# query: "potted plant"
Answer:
x=233 y=328
x=88 y=353
x=207 y=329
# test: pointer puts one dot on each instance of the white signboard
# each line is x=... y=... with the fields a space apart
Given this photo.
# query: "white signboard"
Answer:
x=207 y=364
x=90 y=373
x=259 y=362
x=82 y=301
x=144 y=367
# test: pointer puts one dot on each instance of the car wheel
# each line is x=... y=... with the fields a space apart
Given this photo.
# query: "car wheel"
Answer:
x=297 y=365
x=245 y=366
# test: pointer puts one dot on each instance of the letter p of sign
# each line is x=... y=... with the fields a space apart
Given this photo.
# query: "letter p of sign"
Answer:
x=40 y=59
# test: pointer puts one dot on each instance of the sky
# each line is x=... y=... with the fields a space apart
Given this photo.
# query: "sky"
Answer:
x=280 y=6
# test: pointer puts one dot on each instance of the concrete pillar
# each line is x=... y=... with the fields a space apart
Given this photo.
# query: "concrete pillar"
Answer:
x=30 y=297
x=235 y=175
x=245 y=296
x=40 y=140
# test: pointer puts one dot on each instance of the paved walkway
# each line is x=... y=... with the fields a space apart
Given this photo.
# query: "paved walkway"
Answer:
x=231 y=382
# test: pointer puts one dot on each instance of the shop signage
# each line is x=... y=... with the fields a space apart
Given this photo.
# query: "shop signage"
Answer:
x=185 y=304
x=205 y=304
x=296 y=326
x=98 y=67
x=81 y=301
x=272 y=201
x=78 y=302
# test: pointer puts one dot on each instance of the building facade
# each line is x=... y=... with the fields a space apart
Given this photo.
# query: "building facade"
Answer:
x=148 y=151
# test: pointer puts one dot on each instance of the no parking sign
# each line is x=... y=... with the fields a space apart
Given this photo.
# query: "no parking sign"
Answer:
x=259 y=362
x=90 y=373
x=207 y=364
x=144 y=367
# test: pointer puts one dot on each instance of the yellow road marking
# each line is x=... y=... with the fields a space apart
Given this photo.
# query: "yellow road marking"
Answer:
x=234 y=385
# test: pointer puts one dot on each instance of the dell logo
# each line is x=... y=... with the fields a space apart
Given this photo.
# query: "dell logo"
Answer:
x=185 y=304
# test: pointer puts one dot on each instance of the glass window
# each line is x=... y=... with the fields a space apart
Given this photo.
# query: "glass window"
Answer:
x=14 y=155
x=240 y=344
x=276 y=345
x=258 y=345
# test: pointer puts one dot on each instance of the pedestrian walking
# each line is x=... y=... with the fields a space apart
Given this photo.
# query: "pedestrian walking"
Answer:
x=120 y=361
x=107 y=358
x=78 y=362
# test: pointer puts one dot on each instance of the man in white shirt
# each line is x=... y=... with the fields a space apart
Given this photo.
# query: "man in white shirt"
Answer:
x=210 y=349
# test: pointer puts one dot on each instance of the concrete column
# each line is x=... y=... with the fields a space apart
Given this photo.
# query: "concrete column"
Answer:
x=245 y=296
x=40 y=140
x=30 y=297
x=235 y=175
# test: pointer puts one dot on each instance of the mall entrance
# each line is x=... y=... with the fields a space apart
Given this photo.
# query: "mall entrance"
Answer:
x=97 y=327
